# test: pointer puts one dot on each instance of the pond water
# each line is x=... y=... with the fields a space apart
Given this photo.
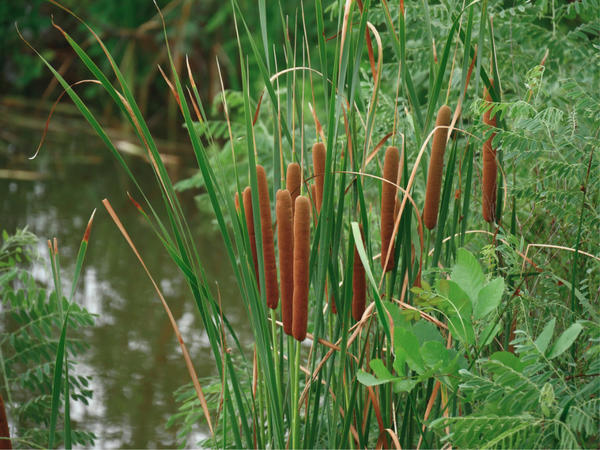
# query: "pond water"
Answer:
x=134 y=358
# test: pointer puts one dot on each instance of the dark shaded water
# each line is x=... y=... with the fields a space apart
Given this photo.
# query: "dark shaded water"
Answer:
x=134 y=357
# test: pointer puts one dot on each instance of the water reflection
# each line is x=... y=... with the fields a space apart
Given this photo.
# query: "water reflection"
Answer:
x=134 y=358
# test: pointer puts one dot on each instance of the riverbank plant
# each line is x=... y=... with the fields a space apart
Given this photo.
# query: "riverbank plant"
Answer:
x=439 y=344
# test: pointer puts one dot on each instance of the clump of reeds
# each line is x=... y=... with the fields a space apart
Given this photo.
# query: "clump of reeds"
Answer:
x=249 y=216
x=293 y=182
x=285 y=242
x=359 y=284
x=436 y=167
x=388 y=203
x=270 y=266
x=490 y=168
x=319 y=154
x=301 y=268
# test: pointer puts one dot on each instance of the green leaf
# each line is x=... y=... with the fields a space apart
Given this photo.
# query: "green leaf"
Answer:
x=405 y=342
x=380 y=370
x=404 y=385
x=544 y=338
x=565 y=340
x=425 y=331
x=467 y=274
x=434 y=353
x=368 y=379
x=489 y=298
x=509 y=359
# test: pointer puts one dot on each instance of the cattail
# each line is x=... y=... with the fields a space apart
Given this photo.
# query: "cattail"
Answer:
x=490 y=169
x=236 y=201
x=285 y=242
x=272 y=290
x=293 y=182
x=388 y=202
x=301 y=256
x=319 y=154
x=247 y=201
x=436 y=167
x=359 y=284
x=4 y=431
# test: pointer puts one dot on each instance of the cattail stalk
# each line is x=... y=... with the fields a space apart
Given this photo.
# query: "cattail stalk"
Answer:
x=301 y=257
x=388 y=203
x=490 y=168
x=293 y=182
x=319 y=154
x=4 y=431
x=359 y=284
x=436 y=167
x=285 y=242
x=249 y=216
x=270 y=266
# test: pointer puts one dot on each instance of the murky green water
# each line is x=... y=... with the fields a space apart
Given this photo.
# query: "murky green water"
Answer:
x=134 y=357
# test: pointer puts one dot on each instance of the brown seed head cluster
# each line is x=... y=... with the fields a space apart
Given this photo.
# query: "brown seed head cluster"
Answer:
x=285 y=242
x=319 y=154
x=490 y=168
x=388 y=203
x=272 y=290
x=301 y=268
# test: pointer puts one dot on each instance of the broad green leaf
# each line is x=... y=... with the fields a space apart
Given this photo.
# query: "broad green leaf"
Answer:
x=380 y=370
x=489 y=298
x=467 y=274
x=544 y=338
x=434 y=353
x=508 y=359
x=565 y=340
x=404 y=385
x=368 y=379
x=406 y=342
x=425 y=331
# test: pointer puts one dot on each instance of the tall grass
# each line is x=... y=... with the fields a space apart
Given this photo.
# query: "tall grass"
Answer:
x=308 y=394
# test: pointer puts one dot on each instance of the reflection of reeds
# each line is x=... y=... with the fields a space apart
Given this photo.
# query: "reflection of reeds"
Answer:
x=247 y=201
x=388 y=204
x=436 y=167
x=301 y=257
x=285 y=243
x=490 y=169
x=270 y=266
x=293 y=182
x=319 y=153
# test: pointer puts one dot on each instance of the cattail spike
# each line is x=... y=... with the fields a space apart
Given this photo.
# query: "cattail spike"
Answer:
x=285 y=242
x=388 y=202
x=301 y=259
x=247 y=202
x=293 y=182
x=359 y=284
x=490 y=168
x=319 y=154
x=4 y=430
x=270 y=266
x=436 y=167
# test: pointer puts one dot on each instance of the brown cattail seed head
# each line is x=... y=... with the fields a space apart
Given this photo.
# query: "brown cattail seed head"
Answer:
x=490 y=168
x=4 y=430
x=272 y=290
x=247 y=201
x=285 y=242
x=293 y=182
x=319 y=154
x=388 y=203
x=301 y=257
x=436 y=167
x=236 y=201
x=359 y=285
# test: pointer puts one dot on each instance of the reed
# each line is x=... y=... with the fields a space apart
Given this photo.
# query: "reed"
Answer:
x=285 y=243
x=249 y=216
x=319 y=154
x=490 y=168
x=359 y=284
x=436 y=167
x=388 y=204
x=293 y=182
x=269 y=264
x=301 y=268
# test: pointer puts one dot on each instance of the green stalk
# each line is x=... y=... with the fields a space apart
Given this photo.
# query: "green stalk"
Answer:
x=295 y=435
